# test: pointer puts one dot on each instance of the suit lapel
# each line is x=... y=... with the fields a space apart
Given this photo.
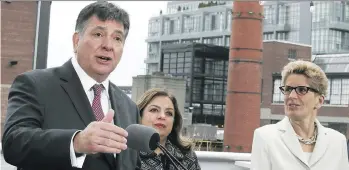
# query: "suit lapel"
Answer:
x=321 y=145
x=116 y=104
x=290 y=140
x=73 y=87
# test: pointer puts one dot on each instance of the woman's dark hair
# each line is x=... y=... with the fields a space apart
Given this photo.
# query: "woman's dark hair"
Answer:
x=175 y=136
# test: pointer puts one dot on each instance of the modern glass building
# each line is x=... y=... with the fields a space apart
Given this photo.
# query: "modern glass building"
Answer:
x=290 y=21
x=205 y=68
x=209 y=22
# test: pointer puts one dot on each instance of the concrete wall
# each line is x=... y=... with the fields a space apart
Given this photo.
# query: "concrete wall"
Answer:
x=305 y=20
x=174 y=85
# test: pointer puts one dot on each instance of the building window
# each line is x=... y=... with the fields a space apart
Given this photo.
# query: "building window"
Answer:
x=229 y=21
x=292 y=53
x=269 y=15
x=338 y=92
x=346 y=13
x=278 y=97
x=215 y=67
x=213 y=22
x=198 y=65
x=166 y=27
x=154 y=28
x=207 y=23
x=282 y=36
x=213 y=90
x=267 y=36
x=227 y=41
x=197 y=23
x=197 y=85
x=166 y=62
x=172 y=27
x=188 y=24
x=177 y=64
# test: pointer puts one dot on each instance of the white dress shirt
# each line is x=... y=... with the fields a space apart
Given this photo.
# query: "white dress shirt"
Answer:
x=87 y=83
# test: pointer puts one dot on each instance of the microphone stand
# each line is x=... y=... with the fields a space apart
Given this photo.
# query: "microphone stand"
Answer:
x=171 y=157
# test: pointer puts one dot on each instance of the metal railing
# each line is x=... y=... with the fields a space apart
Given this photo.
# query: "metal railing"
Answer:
x=207 y=160
x=223 y=160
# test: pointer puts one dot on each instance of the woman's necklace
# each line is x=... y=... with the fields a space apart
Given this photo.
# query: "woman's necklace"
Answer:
x=311 y=140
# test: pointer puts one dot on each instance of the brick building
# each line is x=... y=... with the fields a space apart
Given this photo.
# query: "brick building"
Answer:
x=22 y=49
x=275 y=55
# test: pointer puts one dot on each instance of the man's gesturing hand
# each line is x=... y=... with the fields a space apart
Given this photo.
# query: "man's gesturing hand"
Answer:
x=101 y=137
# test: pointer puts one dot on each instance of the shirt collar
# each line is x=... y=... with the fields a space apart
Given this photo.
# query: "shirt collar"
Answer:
x=87 y=81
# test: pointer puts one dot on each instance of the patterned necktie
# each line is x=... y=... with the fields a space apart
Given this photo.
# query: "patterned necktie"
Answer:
x=96 y=103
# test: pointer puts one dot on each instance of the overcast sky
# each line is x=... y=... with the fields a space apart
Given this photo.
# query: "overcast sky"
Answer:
x=62 y=23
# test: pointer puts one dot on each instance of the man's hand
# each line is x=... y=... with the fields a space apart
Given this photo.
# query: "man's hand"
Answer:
x=101 y=137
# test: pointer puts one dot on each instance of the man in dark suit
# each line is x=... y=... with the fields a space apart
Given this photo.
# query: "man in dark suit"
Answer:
x=73 y=117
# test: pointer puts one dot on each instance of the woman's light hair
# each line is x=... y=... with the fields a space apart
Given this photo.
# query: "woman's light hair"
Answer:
x=317 y=78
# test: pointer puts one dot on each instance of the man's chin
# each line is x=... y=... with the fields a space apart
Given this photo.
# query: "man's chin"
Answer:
x=104 y=71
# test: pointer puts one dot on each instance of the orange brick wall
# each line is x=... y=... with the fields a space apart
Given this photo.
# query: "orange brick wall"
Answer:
x=18 y=26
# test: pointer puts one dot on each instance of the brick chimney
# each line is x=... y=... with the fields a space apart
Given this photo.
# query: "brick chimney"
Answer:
x=243 y=100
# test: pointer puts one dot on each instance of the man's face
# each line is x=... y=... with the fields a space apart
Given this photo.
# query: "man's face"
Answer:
x=99 y=47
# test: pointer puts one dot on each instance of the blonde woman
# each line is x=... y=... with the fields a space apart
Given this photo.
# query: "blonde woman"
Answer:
x=299 y=141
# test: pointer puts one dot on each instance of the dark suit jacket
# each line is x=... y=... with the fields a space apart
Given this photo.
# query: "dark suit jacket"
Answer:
x=45 y=108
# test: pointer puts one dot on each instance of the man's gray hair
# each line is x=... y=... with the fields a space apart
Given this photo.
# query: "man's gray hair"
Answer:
x=103 y=11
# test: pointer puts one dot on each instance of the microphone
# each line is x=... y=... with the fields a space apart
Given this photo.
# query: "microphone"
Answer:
x=142 y=138
x=147 y=139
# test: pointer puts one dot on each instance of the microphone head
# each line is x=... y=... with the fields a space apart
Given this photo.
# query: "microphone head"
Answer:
x=142 y=138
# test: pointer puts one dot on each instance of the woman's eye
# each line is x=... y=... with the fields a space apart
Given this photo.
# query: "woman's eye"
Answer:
x=170 y=113
x=153 y=110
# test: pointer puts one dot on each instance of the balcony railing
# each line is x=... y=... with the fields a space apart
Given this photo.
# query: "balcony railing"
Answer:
x=207 y=161
x=276 y=27
x=339 y=26
x=223 y=160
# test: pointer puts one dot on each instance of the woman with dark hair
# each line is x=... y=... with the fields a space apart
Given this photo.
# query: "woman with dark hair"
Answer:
x=159 y=109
